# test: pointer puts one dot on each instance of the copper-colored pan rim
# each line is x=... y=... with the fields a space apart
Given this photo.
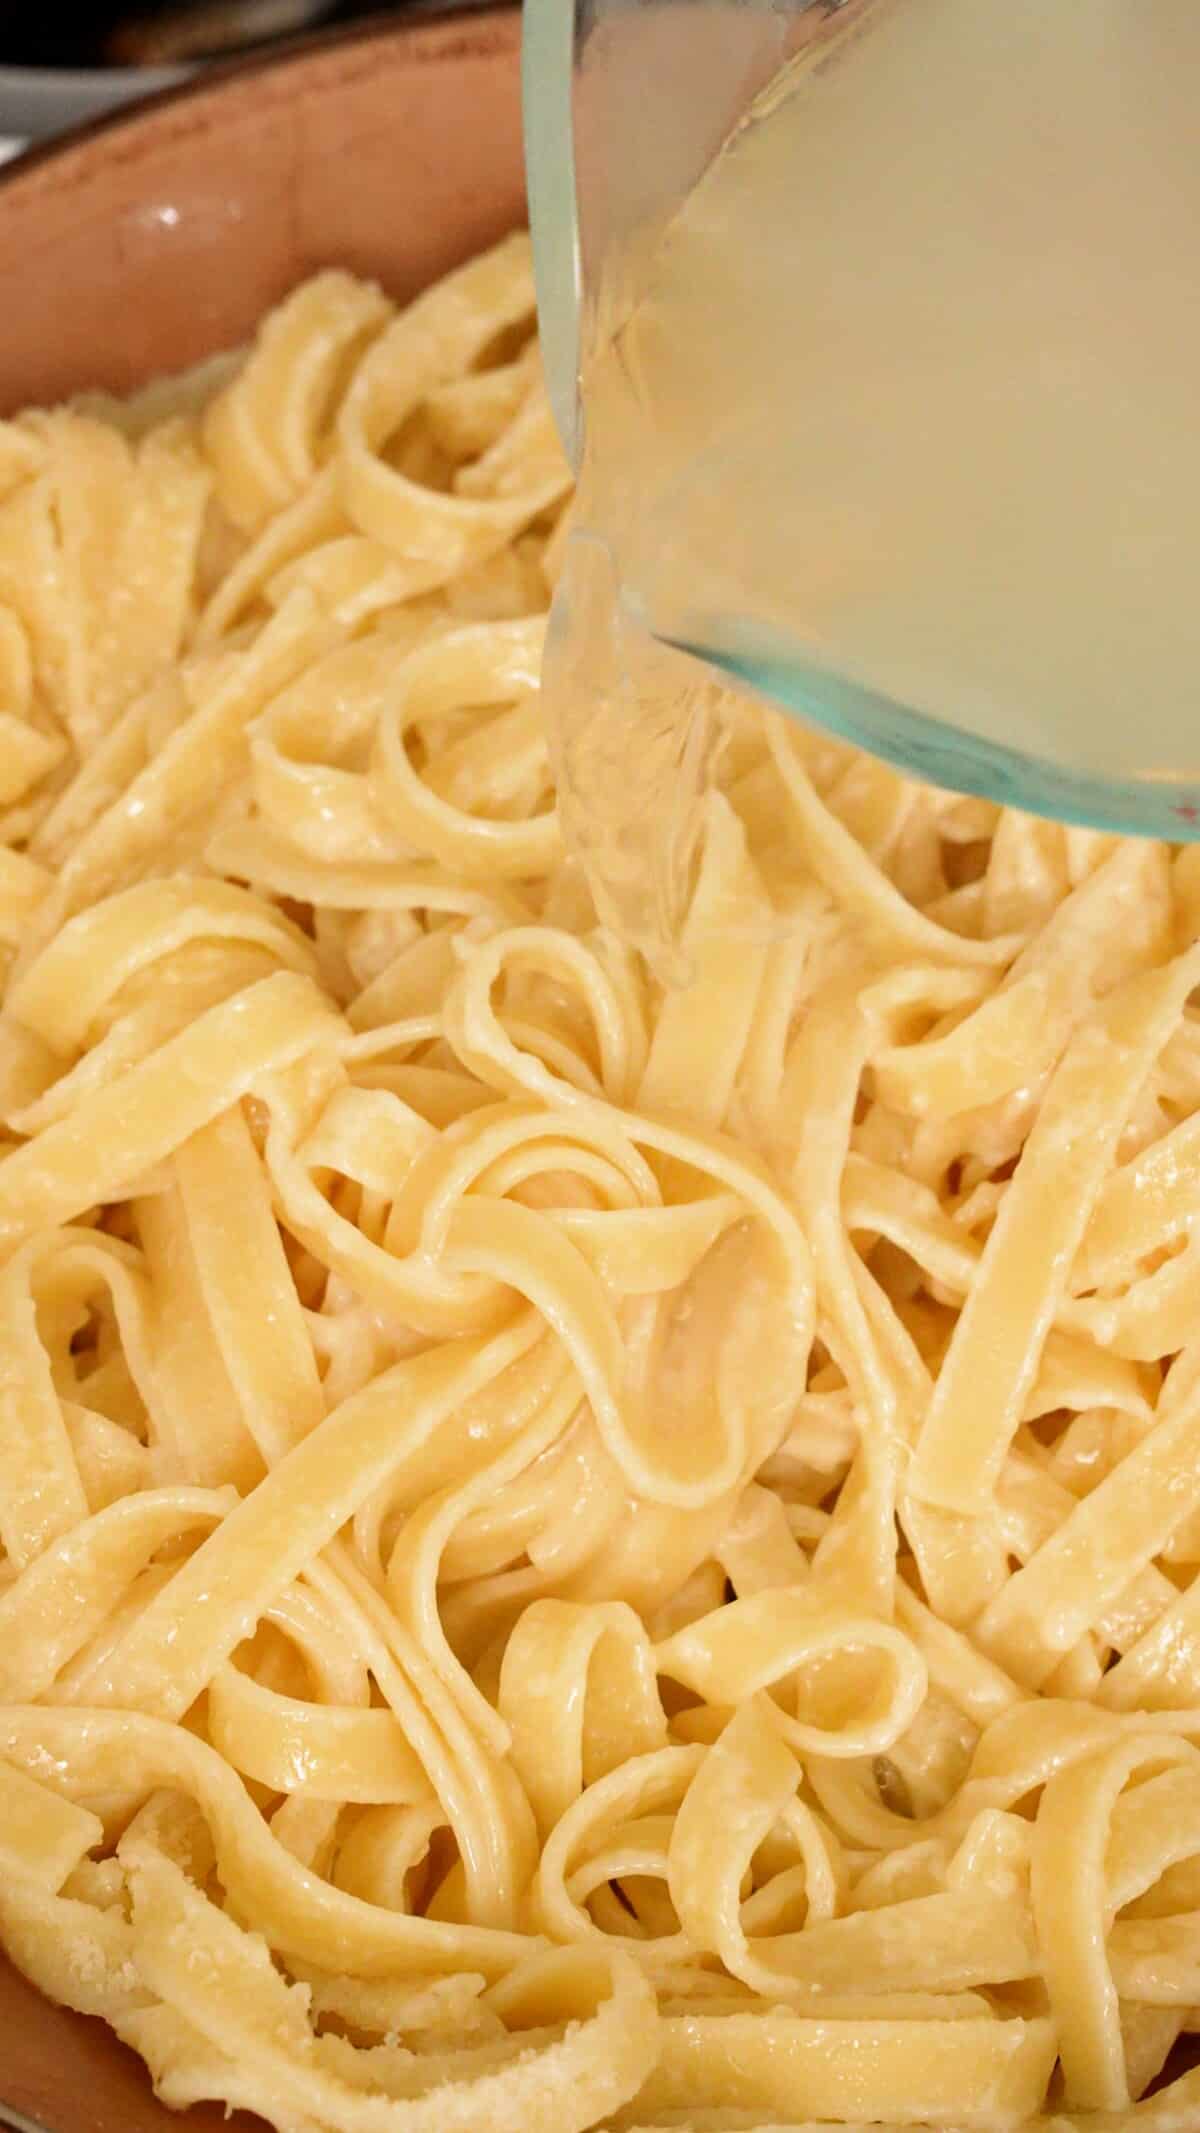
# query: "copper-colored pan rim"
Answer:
x=433 y=34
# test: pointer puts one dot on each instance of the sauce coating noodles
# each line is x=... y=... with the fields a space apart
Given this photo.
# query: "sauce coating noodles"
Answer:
x=574 y=1553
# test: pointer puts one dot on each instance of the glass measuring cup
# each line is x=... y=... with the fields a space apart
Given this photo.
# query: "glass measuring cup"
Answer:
x=963 y=312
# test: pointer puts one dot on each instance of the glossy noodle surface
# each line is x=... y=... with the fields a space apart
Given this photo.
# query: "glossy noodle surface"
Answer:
x=572 y=1553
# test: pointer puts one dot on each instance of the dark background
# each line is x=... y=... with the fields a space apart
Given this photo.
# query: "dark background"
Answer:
x=139 y=33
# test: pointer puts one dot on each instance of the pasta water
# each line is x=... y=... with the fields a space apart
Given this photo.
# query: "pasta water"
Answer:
x=904 y=423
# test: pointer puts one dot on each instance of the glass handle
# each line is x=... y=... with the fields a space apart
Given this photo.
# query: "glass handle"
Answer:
x=547 y=72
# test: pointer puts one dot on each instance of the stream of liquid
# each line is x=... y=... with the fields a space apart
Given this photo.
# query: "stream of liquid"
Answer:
x=906 y=413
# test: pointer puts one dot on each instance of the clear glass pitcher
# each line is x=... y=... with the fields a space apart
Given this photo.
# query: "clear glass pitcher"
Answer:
x=911 y=290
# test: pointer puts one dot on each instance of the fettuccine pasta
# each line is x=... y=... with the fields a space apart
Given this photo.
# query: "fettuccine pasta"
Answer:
x=576 y=1552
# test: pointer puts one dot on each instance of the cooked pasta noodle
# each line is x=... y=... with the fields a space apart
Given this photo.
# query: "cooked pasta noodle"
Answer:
x=575 y=1553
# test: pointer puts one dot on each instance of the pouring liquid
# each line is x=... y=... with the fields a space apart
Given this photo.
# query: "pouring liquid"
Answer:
x=904 y=425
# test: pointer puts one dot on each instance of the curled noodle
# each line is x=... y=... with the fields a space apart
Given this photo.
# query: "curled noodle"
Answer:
x=574 y=1552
